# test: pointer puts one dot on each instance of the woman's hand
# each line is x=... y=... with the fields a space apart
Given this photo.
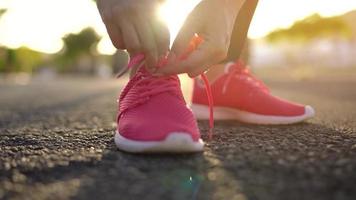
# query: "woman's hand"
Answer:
x=213 y=21
x=135 y=26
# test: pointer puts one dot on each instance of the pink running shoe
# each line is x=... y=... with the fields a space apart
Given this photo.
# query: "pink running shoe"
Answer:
x=238 y=95
x=153 y=117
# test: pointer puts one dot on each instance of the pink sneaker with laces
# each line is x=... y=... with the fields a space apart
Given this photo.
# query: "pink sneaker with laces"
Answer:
x=238 y=95
x=153 y=117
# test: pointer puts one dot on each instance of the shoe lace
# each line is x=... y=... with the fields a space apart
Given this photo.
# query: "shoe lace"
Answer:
x=194 y=43
x=239 y=69
x=147 y=85
x=211 y=105
x=153 y=86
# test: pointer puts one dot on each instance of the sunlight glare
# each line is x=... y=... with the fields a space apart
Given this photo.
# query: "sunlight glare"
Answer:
x=174 y=12
x=41 y=24
x=273 y=14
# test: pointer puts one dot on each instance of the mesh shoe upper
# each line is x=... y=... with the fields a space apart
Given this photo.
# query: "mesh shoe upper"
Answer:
x=238 y=88
x=150 y=108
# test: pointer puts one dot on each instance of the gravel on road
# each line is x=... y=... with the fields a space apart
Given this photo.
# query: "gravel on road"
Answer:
x=56 y=142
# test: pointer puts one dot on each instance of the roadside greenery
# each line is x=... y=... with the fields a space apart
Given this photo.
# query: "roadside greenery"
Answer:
x=75 y=45
x=310 y=28
x=83 y=45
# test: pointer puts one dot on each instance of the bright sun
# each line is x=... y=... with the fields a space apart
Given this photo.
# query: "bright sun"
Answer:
x=24 y=23
x=174 y=12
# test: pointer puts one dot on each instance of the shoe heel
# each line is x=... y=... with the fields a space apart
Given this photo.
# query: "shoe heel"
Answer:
x=200 y=112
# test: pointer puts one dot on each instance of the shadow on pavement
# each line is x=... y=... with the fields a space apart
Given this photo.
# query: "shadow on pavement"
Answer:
x=303 y=161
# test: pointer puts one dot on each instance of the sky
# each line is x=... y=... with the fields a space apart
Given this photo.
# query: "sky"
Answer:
x=40 y=24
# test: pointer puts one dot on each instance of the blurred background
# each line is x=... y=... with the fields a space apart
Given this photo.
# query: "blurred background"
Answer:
x=299 y=40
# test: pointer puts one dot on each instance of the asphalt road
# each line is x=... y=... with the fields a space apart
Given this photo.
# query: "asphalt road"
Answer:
x=56 y=142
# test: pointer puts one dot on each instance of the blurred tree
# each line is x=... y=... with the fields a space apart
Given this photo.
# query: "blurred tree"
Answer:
x=3 y=59
x=84 y=42
x=310 y=28
x=2 y=12
x=27 y=60
x=22 y=59
x=2 y=49
x=77 y=46
x=350 y=19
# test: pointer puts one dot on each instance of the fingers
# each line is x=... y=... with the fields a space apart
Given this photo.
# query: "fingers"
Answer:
x=162 y=36
x=197 y=62
x=206 y=55
x=212 y=51
x=133 y=25
x=147 y=42
x=130 y=38
x=115 y=35
x=111 y=27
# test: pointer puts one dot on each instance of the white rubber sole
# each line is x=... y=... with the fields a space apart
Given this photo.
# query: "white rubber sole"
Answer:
x=175 y=142
x=201 y=112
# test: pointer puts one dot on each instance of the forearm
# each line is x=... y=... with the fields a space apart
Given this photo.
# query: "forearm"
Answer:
x=234 y=6
x=235 y=2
